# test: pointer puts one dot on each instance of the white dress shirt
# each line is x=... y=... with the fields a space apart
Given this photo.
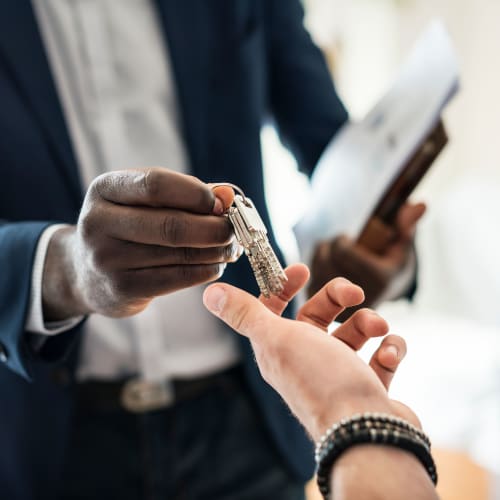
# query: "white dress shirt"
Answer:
x=112 y=72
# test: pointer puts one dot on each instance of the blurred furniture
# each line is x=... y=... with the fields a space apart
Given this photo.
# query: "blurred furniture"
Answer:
x=460 y=478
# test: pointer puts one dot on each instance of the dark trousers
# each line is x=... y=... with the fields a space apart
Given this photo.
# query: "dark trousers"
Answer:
x=213 y=446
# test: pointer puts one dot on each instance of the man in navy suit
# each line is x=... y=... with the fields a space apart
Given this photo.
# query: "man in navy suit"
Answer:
x=166 y=404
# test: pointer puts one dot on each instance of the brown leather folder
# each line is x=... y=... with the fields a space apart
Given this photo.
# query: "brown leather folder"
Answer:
x=398 y=192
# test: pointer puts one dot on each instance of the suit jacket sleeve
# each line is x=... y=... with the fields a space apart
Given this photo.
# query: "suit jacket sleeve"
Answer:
x=303 y=99
x=18 y=243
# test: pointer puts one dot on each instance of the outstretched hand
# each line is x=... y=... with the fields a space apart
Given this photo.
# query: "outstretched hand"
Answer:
x=319 y=376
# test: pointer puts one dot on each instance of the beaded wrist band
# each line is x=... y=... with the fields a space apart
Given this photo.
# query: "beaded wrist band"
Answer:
x=370 y=428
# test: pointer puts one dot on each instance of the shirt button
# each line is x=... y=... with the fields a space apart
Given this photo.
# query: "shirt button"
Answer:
x=3 y=354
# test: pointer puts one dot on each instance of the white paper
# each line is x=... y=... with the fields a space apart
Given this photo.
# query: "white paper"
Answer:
x=365 y=157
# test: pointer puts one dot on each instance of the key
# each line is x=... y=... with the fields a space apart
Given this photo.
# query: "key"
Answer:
x=251 y=233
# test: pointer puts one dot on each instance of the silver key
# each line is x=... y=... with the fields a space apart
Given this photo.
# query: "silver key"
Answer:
x=251 y=233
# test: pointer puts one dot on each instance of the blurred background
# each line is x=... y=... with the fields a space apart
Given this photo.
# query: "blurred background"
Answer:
x=451 y=375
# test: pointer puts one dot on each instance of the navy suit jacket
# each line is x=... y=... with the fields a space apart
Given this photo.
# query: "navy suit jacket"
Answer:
x=236 y=63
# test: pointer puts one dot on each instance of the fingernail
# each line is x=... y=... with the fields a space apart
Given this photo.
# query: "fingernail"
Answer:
x=218 y=206
x=215 y=298
x=393 y=350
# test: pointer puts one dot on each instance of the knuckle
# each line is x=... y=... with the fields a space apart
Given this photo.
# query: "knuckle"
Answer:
x=97 y=185
x=150 y=182
x=212 y=272
x=190 y=254
x=101 y=257
x=174 y=230
x=333 y=291
x=88 y=224
x=204 y=196
x=199 y=273
x=360 y=320
x=103 y=186
x=239 y=319
x=207 y=200
x=222 y=232
x=246 y=322
x=223 y=254
x=366 y=312
x=188 y=274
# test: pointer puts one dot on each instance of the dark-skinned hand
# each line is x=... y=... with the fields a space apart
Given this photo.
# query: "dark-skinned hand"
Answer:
x=373 y=270
x=141 y=233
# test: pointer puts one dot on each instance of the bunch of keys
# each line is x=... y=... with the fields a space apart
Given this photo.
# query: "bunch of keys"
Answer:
x=251 y=234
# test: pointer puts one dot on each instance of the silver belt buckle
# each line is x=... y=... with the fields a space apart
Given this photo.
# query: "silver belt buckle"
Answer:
x=140 y=396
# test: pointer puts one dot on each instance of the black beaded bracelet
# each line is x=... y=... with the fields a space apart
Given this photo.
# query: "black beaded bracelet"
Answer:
x=368 y=428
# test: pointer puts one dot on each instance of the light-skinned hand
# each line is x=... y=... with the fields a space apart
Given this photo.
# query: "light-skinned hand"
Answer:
x=319 y=376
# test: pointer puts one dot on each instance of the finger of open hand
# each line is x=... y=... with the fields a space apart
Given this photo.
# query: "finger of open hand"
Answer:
x=387 y=357
x=155 y=187
x=297 y=275
x=324 y=306
x=360 y=327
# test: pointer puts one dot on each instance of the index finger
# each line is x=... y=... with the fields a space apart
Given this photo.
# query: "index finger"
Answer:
x=155 y=187
x=324 y=306
x=297 y=275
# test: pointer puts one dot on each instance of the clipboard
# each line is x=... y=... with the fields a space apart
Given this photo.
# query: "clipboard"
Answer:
x=371 y=165
x=403 y=185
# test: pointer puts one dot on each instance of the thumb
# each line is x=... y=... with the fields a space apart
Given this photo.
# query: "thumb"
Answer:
x=224 y=197
x=238 y=309
x=407 y=218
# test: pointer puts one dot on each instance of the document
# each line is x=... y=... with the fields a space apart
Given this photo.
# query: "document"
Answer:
x=365 y=157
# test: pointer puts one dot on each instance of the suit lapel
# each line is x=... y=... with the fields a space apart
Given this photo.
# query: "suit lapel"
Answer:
x=23 y=56
x=188 y=36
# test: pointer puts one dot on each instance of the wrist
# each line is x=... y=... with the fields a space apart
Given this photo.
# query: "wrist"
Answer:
x=371 y=429
x=347 y=408
x=61 y=298
x=363 y=472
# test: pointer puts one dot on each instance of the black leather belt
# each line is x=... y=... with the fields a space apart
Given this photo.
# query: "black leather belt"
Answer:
x=139 y=396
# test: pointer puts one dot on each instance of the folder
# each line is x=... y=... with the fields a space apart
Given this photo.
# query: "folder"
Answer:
x=372 y=165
